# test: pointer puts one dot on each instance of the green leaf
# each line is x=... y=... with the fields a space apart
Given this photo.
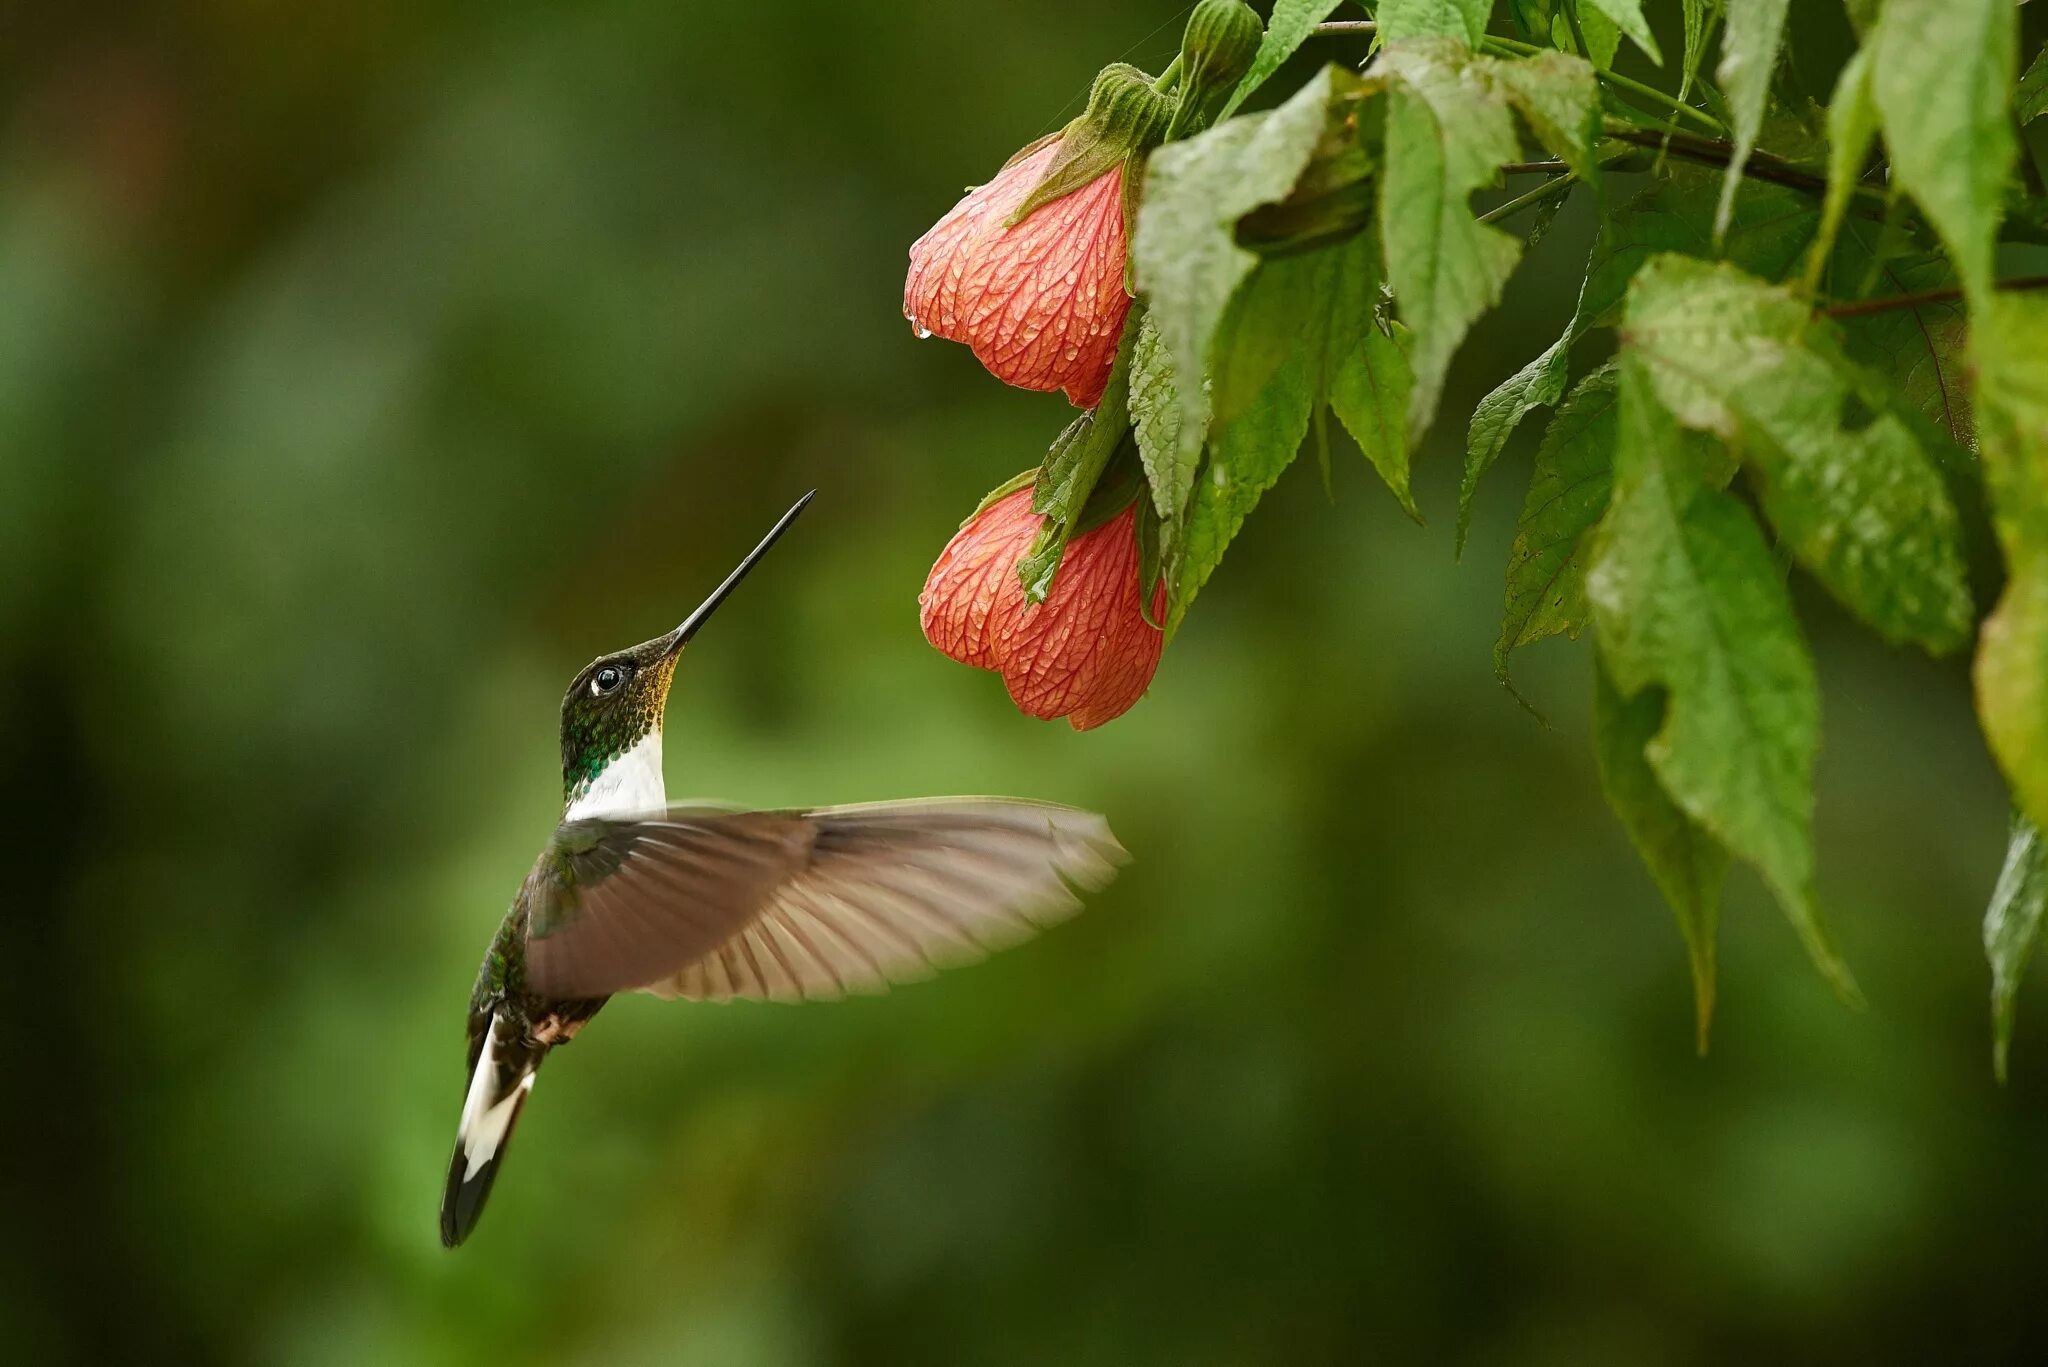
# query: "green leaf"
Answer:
x=1942 y=74
x=1315 y=305
x=2012 y=429
x=1845 y=483
x=1695 y=45
x=1852 y=125
x=1155 y=422
x=1687 y=598
x=1684 y=861
x=1603 y=36
x=1532 y=18
x=1628 y=17
x=1445 y=137
x=1300 y=331
x=1558 y=96
x=1072 y=468
x=1464 y=20
x=1246 y=455
x=1290 y=25
x=1188 y=262
x=1538 y=384
x=1749 y=54
x=1369 y=393
x=1921 y=348
x=2030 y=100
x=1772 y=225
x=2012 y=923
x=1568 y=490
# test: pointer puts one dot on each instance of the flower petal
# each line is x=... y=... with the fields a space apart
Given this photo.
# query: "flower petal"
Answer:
x=972 y=598
x=1086 y=653
x=1042 y=303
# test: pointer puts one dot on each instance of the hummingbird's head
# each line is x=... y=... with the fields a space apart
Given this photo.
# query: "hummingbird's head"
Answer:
x=615 y=703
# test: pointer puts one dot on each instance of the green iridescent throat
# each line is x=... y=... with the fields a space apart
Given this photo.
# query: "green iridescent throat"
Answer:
x=597 y=730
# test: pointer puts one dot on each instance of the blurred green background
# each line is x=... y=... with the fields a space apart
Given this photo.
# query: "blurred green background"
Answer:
x=367 y=367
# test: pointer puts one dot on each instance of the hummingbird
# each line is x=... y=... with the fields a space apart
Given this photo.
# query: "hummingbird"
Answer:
x=708 y=902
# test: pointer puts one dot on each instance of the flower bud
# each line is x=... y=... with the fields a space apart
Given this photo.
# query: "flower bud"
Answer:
x=1222 y=38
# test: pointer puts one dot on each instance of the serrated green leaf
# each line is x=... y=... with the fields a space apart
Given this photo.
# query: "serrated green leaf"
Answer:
x=1316 y=306
x=1852 y=125
x=2012 y=430
x=1686 y=598
x=1082 y=450
x=1369 y=393
x=1849 y=489
x=1072 y=468
x=1246 y=455
x=1445 y=137
x=1464 y=20
x=1300 y=327
x=1290 y=25
x=1532 y=18
x=1695 y=45
x=1188 y=262
x=1684 y=861
x=1603 y=36
x=1921 y=348
x=1538 y=384
x=2012 y=925
x=1568 y=490
x=1942 y=73
x=1569 y=487
x=1749 y=54
x=1155 y=422
x=2030 y=100
x=1628 y=17
x=1558 y=96
x=1771 y=227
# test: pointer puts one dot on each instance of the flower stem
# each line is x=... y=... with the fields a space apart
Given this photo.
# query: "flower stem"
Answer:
x=1859 y=307
x=1556 y=185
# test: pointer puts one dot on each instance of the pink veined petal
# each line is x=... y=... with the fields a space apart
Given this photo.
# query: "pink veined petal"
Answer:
x=1041 y=304
x=1086 y=653
x=972 y=597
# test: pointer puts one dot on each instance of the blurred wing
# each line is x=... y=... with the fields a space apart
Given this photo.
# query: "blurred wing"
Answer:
x=785 y=906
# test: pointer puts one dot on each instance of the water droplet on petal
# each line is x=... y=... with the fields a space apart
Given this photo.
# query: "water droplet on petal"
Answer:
x=923 y=333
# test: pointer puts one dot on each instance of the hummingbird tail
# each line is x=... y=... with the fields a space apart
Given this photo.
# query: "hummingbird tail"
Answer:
x=505 y=1069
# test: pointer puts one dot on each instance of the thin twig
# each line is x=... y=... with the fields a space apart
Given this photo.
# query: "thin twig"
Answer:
x=1530 y=168
x=1516 y=48
x=1714 y=152
x=1858 y=308
x=1333 y=27
x=1554 y=186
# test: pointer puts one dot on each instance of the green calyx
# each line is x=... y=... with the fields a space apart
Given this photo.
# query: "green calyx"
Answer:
x=1125 y=117
x=1217 y=49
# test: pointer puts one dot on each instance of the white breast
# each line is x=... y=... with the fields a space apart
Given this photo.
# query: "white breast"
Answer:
x=630 y=783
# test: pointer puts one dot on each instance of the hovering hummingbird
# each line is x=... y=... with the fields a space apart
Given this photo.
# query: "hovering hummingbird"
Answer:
x=712 y=903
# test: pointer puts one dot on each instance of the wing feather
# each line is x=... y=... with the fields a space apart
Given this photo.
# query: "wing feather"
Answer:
x=713 y=904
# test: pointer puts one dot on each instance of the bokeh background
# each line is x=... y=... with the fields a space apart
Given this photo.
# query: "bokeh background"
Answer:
x=366 y=367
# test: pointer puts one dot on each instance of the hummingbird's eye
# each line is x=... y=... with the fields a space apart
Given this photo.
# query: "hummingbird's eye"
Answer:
x=606 y=680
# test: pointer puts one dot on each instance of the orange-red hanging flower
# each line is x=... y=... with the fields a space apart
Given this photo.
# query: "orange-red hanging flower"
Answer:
x=1086 y=653
x=1041 y=302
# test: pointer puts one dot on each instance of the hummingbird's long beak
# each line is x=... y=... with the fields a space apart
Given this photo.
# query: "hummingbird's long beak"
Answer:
x=680 y=637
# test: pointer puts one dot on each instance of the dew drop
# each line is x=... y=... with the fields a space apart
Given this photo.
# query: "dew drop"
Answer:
x=923 y=333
